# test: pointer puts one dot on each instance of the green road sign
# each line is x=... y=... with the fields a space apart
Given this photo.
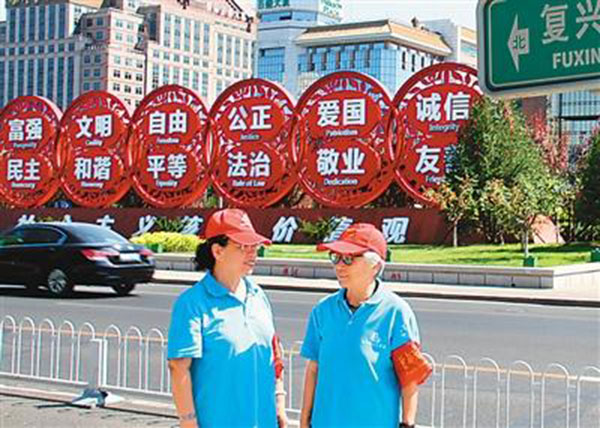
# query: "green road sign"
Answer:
x=529 y=47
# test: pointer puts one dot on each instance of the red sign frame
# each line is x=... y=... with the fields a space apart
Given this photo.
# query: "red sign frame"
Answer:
x=32 y=161
x=252 y=129
x=424 y=103
x=92 y=150
x=171 y=169
x=345 y=119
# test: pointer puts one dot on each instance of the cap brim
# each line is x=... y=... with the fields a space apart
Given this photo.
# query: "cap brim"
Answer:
x=248 y=238
x=342 y=247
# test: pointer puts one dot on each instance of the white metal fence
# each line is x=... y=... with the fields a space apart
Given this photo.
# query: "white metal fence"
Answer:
x=456 y=395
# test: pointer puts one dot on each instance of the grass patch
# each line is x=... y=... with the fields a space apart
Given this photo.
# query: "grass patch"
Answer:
x=492 y=255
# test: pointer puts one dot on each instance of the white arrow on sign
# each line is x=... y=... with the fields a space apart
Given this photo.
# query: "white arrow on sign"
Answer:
x=518 y=42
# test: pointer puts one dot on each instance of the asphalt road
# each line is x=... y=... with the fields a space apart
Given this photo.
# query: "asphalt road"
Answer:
x=539 y=335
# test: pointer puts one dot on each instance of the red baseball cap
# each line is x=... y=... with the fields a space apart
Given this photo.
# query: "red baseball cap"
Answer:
x=236 y=225
x=357 y=239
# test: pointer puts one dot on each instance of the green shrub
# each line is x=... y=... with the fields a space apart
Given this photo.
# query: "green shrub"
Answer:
x=171 y=242
x=318 y=230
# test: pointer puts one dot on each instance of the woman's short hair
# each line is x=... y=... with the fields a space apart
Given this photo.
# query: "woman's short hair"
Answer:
x=205 y=260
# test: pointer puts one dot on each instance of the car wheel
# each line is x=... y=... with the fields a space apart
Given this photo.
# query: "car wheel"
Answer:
x=123 y=289
x=58 y=283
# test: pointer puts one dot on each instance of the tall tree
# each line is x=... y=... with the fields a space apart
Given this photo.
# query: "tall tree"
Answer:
x=588 y=204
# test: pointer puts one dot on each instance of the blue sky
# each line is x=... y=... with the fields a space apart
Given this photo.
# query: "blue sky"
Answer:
x=460 y=11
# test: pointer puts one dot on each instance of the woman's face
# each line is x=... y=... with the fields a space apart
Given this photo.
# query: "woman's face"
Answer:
x=237 y=258
x=356 y=275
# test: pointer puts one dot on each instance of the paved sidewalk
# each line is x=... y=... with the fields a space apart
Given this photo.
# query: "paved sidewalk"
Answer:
x=21 y=408
x=585 y=296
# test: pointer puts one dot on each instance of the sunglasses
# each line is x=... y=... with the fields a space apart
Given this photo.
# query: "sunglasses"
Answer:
x=247 y=248
x=344 y=258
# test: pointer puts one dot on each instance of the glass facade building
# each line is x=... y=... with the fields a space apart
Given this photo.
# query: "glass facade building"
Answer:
x=576 y=114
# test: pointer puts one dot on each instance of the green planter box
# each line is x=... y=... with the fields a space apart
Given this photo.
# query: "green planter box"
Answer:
x=530 y=261
x=595 y=255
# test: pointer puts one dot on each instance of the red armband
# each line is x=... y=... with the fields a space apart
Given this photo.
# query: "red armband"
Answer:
x=410 y=365
x=277 y=357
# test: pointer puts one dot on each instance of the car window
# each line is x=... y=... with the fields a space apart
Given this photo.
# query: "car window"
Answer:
x=97 y=234
x=12 y=238
x=40 y=236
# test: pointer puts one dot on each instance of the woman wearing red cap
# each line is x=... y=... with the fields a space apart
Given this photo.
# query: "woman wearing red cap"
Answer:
x=224 y=356
x=362 y=344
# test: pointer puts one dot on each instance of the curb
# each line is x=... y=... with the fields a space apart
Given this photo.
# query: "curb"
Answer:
x=424 y=295
x=62 y=397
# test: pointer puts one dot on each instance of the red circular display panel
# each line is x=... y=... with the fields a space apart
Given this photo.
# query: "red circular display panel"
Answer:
x=92 y=150
x=433 y=105
x=168 y=147
x=29 y=128
x=252 y=129
x=345 y=140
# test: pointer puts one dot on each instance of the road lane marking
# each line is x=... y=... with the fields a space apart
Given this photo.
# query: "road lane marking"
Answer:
x=113 y=307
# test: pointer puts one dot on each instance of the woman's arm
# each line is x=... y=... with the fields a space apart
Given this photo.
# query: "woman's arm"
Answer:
x=410 y=398
x=310 y=383
x=182 y=392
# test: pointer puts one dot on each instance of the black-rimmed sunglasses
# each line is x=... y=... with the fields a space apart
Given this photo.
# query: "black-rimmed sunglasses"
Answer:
x=345 y=258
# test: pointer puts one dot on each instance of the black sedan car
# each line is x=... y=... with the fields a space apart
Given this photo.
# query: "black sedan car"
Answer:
x=59 y=256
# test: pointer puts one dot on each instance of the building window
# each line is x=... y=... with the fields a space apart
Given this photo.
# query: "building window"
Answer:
x=51 y=21
x=206 y=42
x=128 y=75
x=32 y=10
x=62 y=21
x=100 y=22
x=97 y=59
x=21 y=77
x=205 y=85
x=40 y=77
x=99 y=35
x=119 y=36
x=139 y=77
x=70 y=79
x=116 y=87
x=86 y=73
x=97 y=86
x=60 y=81
x=139 y=64
x=119 y=23
x=138 y=90
x=127 y=89
x=30 y=76
x=97 y=72
x=271 y=64
x=86 y=86
x=49 y=79
x=42 y=23
x=128 y=62
x=166 y=73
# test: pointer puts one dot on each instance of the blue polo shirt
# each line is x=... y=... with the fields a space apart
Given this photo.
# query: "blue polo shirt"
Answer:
x=356 y=382
x=229 y=342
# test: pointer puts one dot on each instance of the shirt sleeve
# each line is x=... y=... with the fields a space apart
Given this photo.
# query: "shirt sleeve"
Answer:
x=312 y=339
x=185 y=332
x=405 y=327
